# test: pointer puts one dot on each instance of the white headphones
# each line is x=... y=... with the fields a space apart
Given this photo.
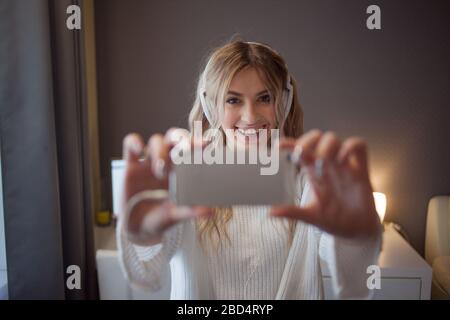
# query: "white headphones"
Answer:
x=288 y=93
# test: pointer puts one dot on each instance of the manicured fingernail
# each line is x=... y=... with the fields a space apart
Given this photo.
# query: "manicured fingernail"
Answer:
x=135 y=146
x=160 y=168
x=318 y=167
x=296 y=155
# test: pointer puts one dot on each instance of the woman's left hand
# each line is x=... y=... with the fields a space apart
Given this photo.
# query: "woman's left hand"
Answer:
x=343 y=203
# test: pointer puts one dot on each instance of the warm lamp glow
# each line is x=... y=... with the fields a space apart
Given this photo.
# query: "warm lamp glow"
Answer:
x=380 y=204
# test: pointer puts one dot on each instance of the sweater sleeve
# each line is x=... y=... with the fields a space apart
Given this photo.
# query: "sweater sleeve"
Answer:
x=348 y=260
x=147 y=267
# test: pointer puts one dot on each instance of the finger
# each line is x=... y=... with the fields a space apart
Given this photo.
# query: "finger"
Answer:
x=184 y=151
x=297 y=155
x=173 y=214
x=310 y=138
x=354 y=153
x=321 y=182
x=287 y=143
x=307 y=144
x=328 y=147
x=176 y=139
x=177 y=135
x=133 y=146
x=160 y=215
x=320 y=174
x=305 y=140
x=308 y=214
x=159 y=154
x=203 y=211
x=303 y=148
x=179 y=140
x=157 y=220
x=182 y=137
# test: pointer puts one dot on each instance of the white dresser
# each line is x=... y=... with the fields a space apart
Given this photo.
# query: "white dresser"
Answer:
x=405 y=275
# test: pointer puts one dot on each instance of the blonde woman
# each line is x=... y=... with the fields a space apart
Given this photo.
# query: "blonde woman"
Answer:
x=252 y=252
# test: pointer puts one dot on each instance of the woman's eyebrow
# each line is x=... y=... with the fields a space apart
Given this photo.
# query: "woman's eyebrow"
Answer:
x=262 y=92
x=234 y=93
x=240 y=94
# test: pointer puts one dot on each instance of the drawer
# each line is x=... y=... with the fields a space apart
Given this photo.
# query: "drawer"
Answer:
x=391 y=289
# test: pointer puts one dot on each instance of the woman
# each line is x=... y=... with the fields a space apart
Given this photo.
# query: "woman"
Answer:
x=252 y=252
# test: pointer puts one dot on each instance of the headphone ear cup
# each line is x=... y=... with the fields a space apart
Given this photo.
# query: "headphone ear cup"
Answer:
x=288 y=95
x=205 y=107
x=285 y=104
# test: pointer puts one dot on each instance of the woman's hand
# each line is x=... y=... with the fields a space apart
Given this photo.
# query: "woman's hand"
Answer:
x=343 y=203
x=150 y=218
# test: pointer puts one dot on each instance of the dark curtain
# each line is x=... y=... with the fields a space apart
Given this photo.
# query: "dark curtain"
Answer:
x=47 y=181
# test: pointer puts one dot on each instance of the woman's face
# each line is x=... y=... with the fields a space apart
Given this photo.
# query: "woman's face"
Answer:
x=248 y=107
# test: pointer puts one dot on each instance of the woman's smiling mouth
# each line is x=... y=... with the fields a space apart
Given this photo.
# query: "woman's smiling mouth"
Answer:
x=250 y=131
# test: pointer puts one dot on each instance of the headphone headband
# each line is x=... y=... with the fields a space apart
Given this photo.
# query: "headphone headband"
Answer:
x=288 y=93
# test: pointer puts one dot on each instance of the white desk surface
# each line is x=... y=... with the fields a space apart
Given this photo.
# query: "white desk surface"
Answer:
x=397 y=254
x=397 y=257
x=402 y=269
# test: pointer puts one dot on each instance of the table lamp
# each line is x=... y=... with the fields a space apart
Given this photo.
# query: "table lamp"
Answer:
x=380 y=204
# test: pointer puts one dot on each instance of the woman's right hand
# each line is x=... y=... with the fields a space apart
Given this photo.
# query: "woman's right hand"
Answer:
x=150 y=218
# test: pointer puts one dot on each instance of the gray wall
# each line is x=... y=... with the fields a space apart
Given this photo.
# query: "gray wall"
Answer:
x=389 y=86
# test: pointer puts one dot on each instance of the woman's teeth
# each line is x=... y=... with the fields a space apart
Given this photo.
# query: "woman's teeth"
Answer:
x=247 y=132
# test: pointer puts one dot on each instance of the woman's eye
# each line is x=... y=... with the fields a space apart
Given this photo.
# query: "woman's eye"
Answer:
x=233 y=100
x=265 y=98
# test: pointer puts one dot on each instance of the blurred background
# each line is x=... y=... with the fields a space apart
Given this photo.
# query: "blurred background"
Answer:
x=389 y=86
x=68 y=97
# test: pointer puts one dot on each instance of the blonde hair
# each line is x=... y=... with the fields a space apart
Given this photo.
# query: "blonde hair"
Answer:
x=222 y=64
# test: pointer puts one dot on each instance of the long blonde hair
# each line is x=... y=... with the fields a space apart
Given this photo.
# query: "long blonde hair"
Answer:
x=222 y=64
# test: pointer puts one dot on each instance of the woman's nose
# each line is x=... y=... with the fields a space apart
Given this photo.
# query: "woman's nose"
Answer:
x=249 y=113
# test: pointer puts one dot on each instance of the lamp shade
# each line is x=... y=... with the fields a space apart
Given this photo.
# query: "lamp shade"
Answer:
x=380 y=204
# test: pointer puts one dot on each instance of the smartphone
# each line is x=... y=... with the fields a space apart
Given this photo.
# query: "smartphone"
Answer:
x=233 y=184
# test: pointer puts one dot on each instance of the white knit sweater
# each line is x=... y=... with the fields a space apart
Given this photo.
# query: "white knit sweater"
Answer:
x=257 y=263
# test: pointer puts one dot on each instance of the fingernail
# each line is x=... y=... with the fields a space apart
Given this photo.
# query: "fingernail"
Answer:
x=160 y=168
x=318 y=167
x=135 y=146
x=296 y=155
